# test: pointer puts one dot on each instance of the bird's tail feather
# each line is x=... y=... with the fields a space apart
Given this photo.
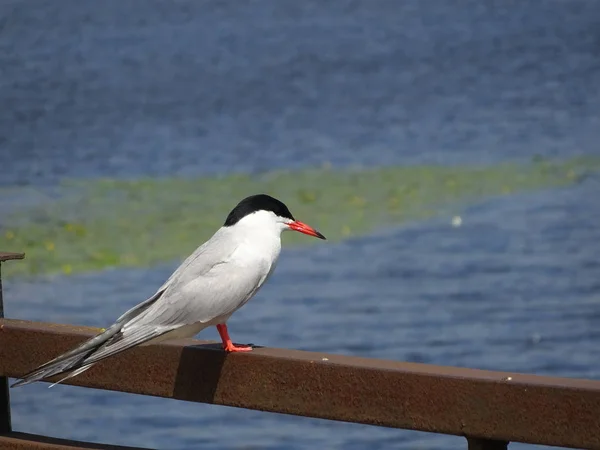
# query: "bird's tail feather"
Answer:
x=72 y=374
x=76 y=360
x=66 y=361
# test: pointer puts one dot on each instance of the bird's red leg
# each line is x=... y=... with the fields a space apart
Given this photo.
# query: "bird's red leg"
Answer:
x=227 y=344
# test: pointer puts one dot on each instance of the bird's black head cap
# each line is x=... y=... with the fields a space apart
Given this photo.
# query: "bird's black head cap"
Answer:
x=259 y=202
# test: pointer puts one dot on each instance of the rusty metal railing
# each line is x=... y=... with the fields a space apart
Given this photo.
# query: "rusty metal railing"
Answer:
x=489 y=408
x=5 y=425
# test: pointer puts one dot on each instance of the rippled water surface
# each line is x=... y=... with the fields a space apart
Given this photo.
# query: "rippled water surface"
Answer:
x=126 y=89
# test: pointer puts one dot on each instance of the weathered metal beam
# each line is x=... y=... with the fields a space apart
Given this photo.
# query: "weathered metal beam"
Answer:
x=23 y=441
x=5 y=421
x=466 y=402
x=7 y=256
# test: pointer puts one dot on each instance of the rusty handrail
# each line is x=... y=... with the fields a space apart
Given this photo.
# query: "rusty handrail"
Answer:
x=488 y=408
x=466 y=402
x=8 y=256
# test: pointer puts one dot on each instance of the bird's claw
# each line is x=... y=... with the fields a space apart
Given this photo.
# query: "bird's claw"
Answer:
x=231 y=348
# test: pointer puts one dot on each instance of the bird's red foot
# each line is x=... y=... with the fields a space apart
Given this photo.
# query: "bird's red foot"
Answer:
x=227 y=344
x=229 y=347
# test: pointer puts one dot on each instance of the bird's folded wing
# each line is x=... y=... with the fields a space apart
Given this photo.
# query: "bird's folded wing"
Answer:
x=186 y=301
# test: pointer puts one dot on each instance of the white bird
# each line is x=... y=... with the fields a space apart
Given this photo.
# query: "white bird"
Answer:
x=206 y=289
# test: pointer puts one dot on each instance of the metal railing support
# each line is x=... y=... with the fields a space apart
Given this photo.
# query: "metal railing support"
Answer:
x=486 y=444
x=5 y=423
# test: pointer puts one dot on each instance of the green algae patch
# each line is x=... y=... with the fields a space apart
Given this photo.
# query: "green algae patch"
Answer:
x=87 y=225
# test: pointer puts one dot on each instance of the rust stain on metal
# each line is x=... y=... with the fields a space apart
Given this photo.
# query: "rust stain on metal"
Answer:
x=23 y=441
x=466 y=402
x=7 y=256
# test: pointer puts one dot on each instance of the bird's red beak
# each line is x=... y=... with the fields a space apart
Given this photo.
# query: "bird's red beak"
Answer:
x=306 y=229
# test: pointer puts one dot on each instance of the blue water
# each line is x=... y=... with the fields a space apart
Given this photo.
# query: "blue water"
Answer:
x=122 y=89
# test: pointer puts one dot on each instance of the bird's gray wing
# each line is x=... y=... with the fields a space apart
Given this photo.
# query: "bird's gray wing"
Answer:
x=214 y=251
x=217 y=293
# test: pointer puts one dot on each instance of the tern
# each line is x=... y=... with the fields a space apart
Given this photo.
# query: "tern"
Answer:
x=205 y=290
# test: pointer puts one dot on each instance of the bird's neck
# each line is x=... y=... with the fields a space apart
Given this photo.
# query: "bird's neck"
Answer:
x=254 y=244
x=264 y=243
